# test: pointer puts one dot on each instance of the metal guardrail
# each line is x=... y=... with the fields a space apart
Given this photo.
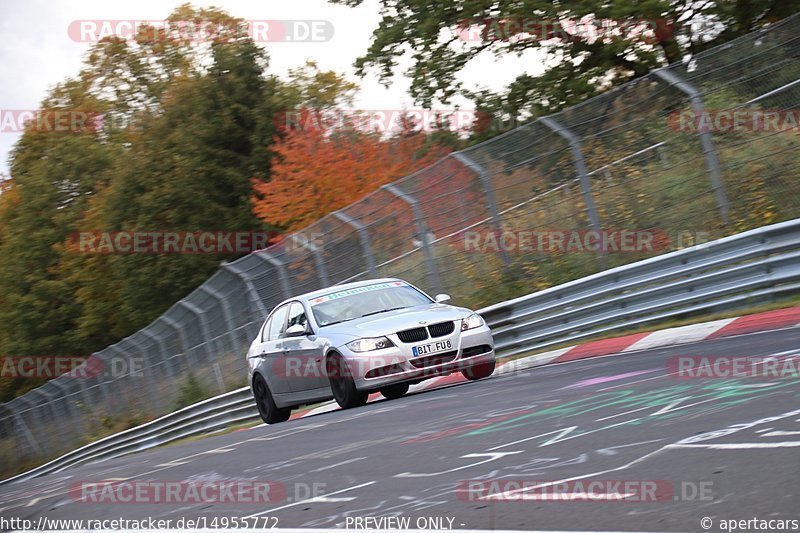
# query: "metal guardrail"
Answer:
x=716 y=275
x=722 y=274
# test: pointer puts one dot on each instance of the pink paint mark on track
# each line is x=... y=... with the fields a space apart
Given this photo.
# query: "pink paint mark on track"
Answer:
x=606 y=379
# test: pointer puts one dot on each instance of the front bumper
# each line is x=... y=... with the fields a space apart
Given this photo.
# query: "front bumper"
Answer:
x=377 y=369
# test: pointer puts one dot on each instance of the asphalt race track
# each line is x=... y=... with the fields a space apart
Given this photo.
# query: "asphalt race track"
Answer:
x=717 y=448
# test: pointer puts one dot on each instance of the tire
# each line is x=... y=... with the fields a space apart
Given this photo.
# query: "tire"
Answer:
x=270 y=413
x=392 y=392
x=342 y=385
x=483 y=370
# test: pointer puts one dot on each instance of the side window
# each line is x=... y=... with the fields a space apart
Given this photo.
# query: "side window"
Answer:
x=297 y=315
x=265 y=331
x=278 y=324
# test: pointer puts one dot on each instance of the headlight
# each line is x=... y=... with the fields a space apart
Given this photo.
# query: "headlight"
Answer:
x=472 y=321
x=369 y=344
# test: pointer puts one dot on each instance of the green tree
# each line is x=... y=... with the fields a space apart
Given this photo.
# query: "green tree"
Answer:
x=186 y=126
x=575 y=65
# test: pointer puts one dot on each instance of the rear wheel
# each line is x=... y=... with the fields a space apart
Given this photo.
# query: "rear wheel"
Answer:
x=394 y=391
x=342 y=385
x=270 y=413
x=483 y=370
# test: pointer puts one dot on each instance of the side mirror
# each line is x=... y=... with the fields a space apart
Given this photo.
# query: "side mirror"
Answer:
x=296 y=331
x=442 y=298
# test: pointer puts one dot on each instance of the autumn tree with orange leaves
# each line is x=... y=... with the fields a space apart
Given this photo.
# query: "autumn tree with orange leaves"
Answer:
x=318 y=170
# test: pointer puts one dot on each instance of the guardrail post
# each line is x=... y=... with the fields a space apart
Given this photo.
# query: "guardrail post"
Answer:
x=226 y=314
x=283 y=277
x=251 y=289
x=706 y=142
x=580 y=167
x=424 y=234
x=206 y=329
x=315 y=251
x=363 y=238
x=486 y=183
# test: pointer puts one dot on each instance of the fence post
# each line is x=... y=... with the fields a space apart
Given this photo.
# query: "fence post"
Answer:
x=65 y=407
x=363 y=238
x=580 y=167
x=181 y=334
x=424 y=234
x=84 y=392
x=164 y=352
x=24 y=427
x=226 y=313
x=44 y=411
x=486 y=183
x=251 y=289
x=151 y=374
x=206 y=329
x=315 y=251
x=710 y=154
x=283 y=277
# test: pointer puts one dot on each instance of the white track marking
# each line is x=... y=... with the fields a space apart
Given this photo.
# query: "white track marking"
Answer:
x=338 y=464
x=490 y=457
x=679 y=335
x=739 y=445
x=311 y=500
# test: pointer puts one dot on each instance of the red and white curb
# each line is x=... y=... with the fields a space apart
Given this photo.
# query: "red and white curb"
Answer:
x=727 y=327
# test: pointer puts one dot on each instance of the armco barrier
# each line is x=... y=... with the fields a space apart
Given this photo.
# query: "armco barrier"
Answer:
x=719 y=275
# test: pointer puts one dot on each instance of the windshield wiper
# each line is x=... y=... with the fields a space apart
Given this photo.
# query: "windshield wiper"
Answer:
x=383 y=311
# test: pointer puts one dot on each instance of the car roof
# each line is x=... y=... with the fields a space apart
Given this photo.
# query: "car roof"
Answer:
x=335 y=288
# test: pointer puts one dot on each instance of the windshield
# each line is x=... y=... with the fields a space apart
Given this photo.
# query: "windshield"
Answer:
x=355 y=303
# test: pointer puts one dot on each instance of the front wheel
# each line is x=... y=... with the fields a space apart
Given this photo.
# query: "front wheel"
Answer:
x=395 y=391
x=270 y=413
x=342 y=384
x=483 y=370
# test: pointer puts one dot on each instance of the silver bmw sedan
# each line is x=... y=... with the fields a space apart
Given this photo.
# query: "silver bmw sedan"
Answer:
x=349 y=340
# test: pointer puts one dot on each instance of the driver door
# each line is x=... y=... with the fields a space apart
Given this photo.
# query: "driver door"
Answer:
x=304 y=354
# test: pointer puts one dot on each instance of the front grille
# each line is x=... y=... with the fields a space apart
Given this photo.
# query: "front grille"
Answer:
x=433 y=360
x=441 y=329
x=413 y=335
x=475 y=350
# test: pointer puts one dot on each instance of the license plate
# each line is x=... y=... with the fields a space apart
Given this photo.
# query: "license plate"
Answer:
x=433 y=347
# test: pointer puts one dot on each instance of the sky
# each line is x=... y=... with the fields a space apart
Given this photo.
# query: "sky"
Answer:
x=37 y=51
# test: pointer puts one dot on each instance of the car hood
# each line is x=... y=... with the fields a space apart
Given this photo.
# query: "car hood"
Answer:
x=394 y=321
